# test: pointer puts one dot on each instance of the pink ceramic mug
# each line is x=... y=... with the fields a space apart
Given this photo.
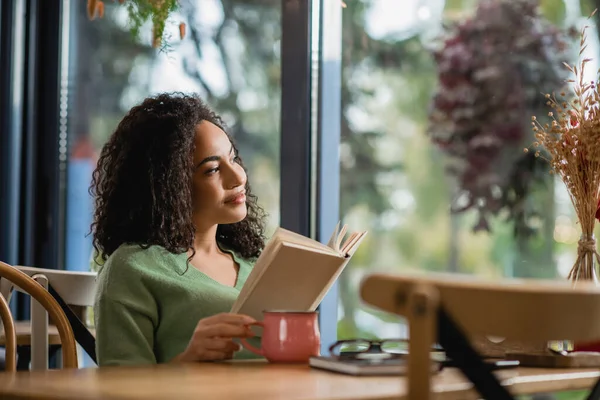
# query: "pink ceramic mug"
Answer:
x=288 y=336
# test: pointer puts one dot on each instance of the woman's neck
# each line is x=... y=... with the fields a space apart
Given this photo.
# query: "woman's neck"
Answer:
x=205 y=241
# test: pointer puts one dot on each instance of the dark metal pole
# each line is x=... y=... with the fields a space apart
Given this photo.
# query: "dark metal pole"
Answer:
x=295 y=198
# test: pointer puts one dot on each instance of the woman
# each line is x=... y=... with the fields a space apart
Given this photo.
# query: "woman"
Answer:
x=178 y=230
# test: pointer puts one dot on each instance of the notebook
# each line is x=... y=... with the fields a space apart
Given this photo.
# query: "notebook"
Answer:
x=294 y=272
x=365 y=366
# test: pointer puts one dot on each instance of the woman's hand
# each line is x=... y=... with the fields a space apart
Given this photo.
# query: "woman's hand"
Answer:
x=212 y=338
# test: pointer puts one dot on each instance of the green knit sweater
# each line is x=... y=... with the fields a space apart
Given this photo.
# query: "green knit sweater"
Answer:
x=149 y=301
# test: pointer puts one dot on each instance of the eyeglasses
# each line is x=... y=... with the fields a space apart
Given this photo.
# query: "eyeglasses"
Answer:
x=364 y=348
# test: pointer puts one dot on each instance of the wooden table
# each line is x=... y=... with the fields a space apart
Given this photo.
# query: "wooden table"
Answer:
x=259 y=380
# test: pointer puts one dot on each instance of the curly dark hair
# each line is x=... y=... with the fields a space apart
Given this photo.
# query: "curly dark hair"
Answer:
x=143 y=182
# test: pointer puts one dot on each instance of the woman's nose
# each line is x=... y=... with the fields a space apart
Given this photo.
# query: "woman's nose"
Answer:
x=237 y=176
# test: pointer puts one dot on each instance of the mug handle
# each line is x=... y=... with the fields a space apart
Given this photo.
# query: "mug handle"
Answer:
x=248 y=346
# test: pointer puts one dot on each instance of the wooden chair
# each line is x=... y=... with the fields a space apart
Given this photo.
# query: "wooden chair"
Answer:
x=10 y=334
x=449 y=309
x=74 y=290
x=45 y=299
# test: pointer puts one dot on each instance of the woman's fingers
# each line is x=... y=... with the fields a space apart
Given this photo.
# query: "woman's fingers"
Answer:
x=228 y=318
x=213 y=355
x=224 y=330
x=212 y=337
x=213 y=349
x=221 y=344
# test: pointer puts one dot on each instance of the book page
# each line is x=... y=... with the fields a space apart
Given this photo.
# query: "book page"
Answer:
x=352 y=243
x=289 y=236
x=334 y=235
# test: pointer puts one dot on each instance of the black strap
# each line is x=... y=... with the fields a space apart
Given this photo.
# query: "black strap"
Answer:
x=82 y=335
x=595 y=392
x=465 y=357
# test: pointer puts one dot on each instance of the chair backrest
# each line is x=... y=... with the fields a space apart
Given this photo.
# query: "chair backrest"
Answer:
x=10 y=335
x=526 y=310
x=75 y=288
x=522 y=309
x=26 y=284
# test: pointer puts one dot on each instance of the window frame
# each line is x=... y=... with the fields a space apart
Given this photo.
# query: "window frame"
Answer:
x=309 y=167
x=328 y=133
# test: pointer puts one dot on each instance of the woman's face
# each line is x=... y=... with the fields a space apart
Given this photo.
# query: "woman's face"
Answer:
x=218 y=193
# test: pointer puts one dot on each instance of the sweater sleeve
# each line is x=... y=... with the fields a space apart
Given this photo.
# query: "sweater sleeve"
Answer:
x=125 y=315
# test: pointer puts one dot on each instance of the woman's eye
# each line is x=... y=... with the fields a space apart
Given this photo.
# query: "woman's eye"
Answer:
x=211 y=171
x=237 y=159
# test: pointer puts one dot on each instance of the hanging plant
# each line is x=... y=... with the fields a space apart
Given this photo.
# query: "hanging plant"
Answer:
x=491 y=69
x=141 y=11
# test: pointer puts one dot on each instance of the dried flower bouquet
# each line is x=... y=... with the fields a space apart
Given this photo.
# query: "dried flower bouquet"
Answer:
x=571 y=144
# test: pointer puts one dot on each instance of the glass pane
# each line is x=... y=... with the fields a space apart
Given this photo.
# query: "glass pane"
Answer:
x=437 y=105
x=230 y=56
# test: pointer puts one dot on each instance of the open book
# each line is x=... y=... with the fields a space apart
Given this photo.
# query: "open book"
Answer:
x=294 y=272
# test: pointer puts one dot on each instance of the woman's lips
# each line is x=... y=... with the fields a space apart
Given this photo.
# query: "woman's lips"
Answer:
x=237 y=199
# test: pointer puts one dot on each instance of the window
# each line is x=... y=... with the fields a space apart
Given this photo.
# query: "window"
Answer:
x=395 y=144
x=230 y=56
